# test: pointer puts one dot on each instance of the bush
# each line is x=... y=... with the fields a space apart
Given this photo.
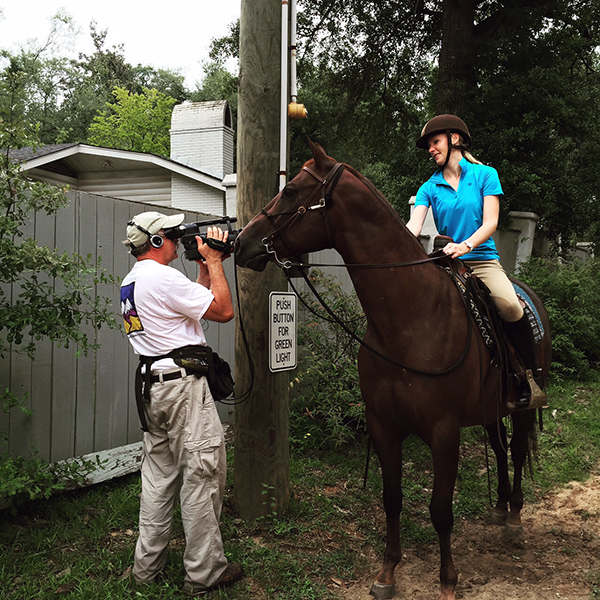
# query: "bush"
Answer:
x=23 y=479
x=326 y=406
x=28 y=478
x=570 y=292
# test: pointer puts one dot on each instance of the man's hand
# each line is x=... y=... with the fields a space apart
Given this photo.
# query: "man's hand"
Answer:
x=209 y=253
x=212 y=276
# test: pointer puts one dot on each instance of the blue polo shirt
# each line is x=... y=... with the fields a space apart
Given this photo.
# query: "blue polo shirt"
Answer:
x=459 y=214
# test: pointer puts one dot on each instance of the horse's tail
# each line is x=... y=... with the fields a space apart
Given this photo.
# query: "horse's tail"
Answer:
x=533 y=446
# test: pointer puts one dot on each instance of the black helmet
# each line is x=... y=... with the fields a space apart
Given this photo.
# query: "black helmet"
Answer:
x=443 y=124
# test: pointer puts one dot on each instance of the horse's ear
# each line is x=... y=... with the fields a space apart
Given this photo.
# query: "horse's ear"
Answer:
x=318 y=153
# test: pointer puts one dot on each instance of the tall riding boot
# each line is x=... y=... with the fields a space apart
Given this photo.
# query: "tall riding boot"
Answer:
x=521 y=337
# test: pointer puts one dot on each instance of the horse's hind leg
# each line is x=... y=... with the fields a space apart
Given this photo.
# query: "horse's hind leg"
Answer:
x=499 y=444
x=389 y=450
x=445 y=452
x=523 y=423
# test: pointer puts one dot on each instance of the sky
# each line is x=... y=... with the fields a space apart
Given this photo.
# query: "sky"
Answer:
x=151 y=34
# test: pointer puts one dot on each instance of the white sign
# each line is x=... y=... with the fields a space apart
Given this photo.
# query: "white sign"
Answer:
x=282 y=332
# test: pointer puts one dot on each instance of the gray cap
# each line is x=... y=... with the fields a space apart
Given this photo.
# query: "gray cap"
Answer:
x=142 y=226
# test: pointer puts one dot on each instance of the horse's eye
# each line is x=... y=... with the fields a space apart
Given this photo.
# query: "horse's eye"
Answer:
x=288 y=193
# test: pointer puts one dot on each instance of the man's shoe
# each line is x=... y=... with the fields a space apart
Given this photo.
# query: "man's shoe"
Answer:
x=232 y=573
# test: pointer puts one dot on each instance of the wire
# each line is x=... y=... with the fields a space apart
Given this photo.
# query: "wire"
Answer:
x=243 y=397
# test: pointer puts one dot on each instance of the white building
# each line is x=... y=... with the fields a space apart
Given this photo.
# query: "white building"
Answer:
x=198 y=176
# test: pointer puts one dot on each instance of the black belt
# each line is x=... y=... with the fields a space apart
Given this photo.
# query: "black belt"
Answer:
x=170 y=376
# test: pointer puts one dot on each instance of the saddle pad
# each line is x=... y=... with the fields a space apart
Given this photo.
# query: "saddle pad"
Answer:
x=532 y=314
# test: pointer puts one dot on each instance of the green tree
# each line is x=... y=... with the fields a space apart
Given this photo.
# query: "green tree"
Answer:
x=64 y=94
x=56 y=291
x=138 y=122
x=43 y=78
x=217 y=84
x=53 y=293
x=522 y=74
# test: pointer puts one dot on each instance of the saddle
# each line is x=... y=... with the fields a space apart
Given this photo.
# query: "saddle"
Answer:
x=478 y=299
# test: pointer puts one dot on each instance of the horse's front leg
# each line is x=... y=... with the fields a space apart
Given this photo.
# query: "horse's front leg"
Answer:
x=523 y=423
x=388 y=446
x=499 y=444
x=445 y=450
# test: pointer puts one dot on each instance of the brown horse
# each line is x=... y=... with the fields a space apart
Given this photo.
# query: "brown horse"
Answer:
x=416 y=381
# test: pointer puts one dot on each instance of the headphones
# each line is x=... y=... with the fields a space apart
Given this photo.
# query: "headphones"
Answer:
x=156 y=241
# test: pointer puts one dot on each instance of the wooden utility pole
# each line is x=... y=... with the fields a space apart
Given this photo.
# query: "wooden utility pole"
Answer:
x=261 y=469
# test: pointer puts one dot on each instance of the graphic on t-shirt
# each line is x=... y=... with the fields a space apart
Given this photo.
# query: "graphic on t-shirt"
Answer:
x=131 y=319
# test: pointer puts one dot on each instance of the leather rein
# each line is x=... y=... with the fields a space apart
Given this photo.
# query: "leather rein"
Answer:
x=326 y=186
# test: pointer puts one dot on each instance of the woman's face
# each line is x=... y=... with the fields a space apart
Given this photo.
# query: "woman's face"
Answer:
x=438 y=147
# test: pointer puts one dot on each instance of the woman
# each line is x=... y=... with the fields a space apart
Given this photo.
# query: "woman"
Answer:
x=464 y=196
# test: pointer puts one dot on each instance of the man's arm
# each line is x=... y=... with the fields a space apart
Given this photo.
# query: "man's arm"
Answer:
x=212 y=275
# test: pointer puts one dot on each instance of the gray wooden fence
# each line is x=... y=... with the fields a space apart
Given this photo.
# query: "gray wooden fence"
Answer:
x=83 y=405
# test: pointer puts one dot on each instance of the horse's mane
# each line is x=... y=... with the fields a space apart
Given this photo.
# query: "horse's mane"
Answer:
x=386 y=203
x=371 y=187
x=369 y=184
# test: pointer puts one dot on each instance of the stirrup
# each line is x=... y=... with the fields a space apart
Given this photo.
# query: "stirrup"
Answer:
x=538 y=396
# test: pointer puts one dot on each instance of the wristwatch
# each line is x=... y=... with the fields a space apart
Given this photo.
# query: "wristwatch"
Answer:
x=469 y=245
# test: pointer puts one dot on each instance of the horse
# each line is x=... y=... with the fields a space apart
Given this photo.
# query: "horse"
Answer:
x=422 y=368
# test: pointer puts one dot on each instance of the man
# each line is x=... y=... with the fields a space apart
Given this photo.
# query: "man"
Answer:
x=184 y=446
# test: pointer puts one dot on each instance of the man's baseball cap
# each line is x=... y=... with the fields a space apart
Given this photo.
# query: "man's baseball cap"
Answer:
x=142 y=226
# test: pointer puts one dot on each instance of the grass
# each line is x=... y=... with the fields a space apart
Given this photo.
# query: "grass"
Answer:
x=80 y=544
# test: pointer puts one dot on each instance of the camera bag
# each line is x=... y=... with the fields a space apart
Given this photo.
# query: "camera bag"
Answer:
x=196 y=360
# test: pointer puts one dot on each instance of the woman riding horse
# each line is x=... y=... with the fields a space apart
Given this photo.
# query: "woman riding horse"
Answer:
x=464 y=196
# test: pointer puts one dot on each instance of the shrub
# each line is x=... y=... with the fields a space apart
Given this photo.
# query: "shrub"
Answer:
x=28 y=478
x=570 y=292
x=326 y=406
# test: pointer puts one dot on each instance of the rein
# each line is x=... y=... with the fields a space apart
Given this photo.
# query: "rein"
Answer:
x=420 y=261
x=355 y=337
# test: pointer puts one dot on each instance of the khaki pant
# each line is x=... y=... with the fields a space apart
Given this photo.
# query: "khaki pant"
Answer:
x=183 y=454
x=502 y=290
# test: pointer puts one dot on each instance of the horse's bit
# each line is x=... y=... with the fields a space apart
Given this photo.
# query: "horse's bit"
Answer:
x=325 y=185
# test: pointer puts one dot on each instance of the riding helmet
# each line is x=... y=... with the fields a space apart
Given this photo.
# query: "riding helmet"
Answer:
x=443 y=124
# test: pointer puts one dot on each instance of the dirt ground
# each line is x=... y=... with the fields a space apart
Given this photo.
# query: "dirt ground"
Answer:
x=556 y=556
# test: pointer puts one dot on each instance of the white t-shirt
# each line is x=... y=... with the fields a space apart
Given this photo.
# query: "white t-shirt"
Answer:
x=162 y=309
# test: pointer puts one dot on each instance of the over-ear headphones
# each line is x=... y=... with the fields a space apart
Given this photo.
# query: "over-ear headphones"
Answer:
x=156 y=241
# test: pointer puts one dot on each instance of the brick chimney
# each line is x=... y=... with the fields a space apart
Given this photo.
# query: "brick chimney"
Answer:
x=202 y=136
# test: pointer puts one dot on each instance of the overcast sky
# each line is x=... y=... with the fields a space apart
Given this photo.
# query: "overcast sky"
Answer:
x=163 y=35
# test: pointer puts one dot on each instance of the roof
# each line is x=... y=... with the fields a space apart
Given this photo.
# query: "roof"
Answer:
x=86 y=158
x=24 y=154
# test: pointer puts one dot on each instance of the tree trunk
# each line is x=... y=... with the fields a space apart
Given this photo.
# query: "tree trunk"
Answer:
x=456 y=77
x=261 y=470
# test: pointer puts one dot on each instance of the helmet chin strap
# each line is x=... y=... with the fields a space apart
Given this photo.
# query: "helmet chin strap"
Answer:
x=451 y=147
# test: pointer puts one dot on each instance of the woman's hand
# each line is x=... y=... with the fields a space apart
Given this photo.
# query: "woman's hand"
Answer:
x=456 y=250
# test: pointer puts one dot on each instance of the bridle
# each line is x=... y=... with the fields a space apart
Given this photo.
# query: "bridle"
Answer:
x=325 y=185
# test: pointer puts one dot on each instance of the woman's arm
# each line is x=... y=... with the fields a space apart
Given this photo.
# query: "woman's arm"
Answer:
x=417 y=218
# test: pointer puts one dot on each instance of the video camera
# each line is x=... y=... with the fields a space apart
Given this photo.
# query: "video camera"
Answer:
x=187 y=232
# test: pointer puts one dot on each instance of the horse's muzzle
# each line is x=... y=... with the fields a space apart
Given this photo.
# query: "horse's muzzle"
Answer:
x=250 y=253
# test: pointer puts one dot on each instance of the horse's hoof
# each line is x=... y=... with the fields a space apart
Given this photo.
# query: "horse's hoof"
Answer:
x=498 y=516
x=383 y=591
x=513 y=530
